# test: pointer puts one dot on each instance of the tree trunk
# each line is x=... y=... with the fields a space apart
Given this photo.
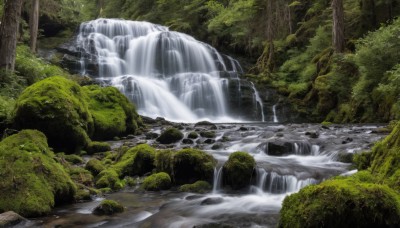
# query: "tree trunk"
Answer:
x=8 y=33
x=34 y=25
x=338 y=26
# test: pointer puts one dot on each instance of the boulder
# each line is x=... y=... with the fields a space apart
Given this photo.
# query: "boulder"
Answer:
x=238 y=170
x=156 y=182
x=108 y=207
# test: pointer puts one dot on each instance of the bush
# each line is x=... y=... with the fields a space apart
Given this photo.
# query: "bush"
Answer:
x=156 y=182
x=238 y=170
x=170 y=135
x=32 y=181
x=108 y=207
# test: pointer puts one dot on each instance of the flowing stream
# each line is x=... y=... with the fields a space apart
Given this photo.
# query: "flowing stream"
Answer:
x=311 y=154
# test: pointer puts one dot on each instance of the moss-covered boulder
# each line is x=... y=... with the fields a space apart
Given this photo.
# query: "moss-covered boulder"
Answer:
x=32 y=182
x=81 y=176
x=109 y=179
x=196 y=187
x=170 y=135
x=188 y=165
x=113 y=114
x=342 y=202
x=138 y=160
x=108 y=207
x=97 y=147
x=57 y=107
x=193 y=135
x=95 y=166
x=156 y=182
x=238 y=170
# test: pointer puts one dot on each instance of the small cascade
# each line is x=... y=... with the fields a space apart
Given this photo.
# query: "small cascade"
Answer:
x=302 y=148
x=261 y=178
x=274 y=112
x=217 y=183
x=278 y=147
x=258 y=100
x=278 y=184
x=315 y=150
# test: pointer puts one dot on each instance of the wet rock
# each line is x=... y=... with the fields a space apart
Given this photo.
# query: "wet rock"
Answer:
x=347 y=140
x=277 y=148
x=313 y=135
x=242 y=128
x=217 y=146
x=279 y=135
x=10 y=218
x=151 y=135
x=170 y=135
x=212 y=201
x=193 y=135
x=238 y=170
x=208 y=134
x=209 y=141
x=206 y=124
x=130 y=136
x=148 y=120
x=187 y=141
x=193 y=197
x=108 y=207
x=345 y=157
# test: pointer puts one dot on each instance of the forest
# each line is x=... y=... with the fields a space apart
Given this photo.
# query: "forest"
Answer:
x=333 y=63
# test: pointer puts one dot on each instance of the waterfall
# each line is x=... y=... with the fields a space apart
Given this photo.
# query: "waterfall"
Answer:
x=217 y=183
x=258 y=100
x=286 y=183
x=165 y=73
x=274 y=112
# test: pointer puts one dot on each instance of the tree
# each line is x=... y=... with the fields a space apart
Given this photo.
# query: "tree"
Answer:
x=34 y=24
x=338 y=26
x=8 y=33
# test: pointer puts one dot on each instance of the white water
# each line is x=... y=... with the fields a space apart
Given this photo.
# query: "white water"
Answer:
x=274 y=112
x=165 y=73
x=258 y=100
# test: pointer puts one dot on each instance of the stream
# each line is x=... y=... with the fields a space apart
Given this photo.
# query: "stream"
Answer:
x=309 y=154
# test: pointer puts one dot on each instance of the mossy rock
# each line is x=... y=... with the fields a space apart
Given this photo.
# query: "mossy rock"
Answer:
x=73 y=159
x=32 y=182
x=57 y=107
x=108 y=207
x=138 y=160
x=238 y=170
x=170 y=135
x=156 y=182
x=191 y=165
x=113 y=114
x=208 y=134
x=342 y=202
x=81 y=176
x=193 y=135
x=109 y=179
x=197 y=187
x=97 y=147
x=95 y=166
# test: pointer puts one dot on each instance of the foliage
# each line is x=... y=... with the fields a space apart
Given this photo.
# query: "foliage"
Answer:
x=32 y=181
x=156 y=182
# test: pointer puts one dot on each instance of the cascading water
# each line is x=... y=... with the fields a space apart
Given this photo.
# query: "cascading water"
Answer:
x=258 y=100
x=165 y=73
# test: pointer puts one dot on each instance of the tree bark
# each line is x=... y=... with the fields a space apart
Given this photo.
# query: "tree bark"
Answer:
x=338 y=38
x=34 y=25
x=8 y=33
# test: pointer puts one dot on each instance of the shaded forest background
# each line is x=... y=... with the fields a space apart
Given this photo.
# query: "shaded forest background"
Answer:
x=283 y=44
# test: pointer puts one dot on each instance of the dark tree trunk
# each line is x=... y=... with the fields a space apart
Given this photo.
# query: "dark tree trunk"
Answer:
x=8 y=33
x=34 y=25
x=338 y=26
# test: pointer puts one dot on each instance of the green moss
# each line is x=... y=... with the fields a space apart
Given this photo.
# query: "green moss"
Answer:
x=113 y=114
x=6 y=107
x=73 y=159
x=32 y=182
x=57 y=107
x=362 y=160
x=136 y=161
x=163 y=161
x=156 y=182
x=191 y=165
x=97 y=147
x=109 y=179
x=193 y=135
x=238 y=170
x=81 y=176
x=94 y=166
x=170 y=135
x=108 y=207
x=344 y=202
x=197 y=187
x=208 y=134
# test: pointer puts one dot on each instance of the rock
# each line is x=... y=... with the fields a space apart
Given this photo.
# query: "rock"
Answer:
x=197 y=187
x=209 y=141
x=206 y=124
x=212 y=201
x=187 y=141
x=277 y=148
x=97 y=147
x=151 y=135
x=347 y=140
x=313 y=135
x=10 y=218
x=207 y=134
x=94 y=166
x=170 y=135
x=242 y=128
x=108 y=207
x=130 y=136
x=156 y=182
x=193 y=135
x=136 y=161
x=193 y=197
x=109 y=178
x=345 y=157
x=238 y=170
x=32 y=181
